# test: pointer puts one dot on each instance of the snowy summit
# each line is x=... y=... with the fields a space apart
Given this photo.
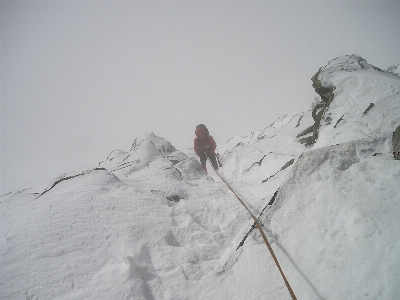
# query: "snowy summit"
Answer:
x=150 y=223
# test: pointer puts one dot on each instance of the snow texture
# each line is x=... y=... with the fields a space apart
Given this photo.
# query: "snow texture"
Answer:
x=149 y=223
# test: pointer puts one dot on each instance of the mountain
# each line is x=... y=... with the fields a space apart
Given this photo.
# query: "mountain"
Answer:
x=149 y=223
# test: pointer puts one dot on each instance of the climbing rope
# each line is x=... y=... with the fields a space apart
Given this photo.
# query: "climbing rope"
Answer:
x=262 y=234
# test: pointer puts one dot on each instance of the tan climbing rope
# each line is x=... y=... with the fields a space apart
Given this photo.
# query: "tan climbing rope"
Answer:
x=262 y=234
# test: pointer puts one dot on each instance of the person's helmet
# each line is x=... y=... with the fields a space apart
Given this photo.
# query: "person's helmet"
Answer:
x=205 y=130
x=199 y=132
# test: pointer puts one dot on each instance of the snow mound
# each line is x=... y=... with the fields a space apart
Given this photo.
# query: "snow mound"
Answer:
x=190 y=168
x=159 y=143
x=153 y=157
x=144 y=149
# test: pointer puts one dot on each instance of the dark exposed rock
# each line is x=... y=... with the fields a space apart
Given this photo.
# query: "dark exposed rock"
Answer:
x=246 y=236
x=256 y=163
x=327 y=95
x=239 y=144
x=396 y=143
x=254 y=224
x=58 y=181
x=298 y=122
x=338 y=121
x=328 y=119
x=308 y=140
x=175 y=198
x=272 y=199
x=368 y=108
x=285 y=166
x=71 y=177
x=174 y=161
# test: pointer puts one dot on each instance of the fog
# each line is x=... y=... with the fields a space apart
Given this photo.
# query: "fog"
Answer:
x=82 y=78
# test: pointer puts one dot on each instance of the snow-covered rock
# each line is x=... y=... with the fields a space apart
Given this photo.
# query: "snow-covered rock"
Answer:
x=144 y=150
x=358 y=101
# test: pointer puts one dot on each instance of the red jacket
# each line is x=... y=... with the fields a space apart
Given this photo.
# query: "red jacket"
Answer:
x=205 y=143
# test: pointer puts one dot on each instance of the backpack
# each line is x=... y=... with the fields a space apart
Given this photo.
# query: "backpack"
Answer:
x=204 y=128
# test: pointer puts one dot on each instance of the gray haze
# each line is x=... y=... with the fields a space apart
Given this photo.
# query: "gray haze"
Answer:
x=82 y=78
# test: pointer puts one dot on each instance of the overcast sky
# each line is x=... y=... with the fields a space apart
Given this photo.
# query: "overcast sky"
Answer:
x=82 y=78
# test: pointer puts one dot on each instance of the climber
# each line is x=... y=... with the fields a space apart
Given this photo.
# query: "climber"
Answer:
x=204 y=146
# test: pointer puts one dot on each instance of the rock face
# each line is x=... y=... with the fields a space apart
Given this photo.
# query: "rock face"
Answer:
x=352 y=94
x=396 y=143
x=327 y=94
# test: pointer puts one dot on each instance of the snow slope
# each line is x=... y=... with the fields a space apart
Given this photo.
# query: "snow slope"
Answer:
x=151 y=224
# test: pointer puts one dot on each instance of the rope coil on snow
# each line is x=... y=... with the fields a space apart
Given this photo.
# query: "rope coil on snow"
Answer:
x=262 y=234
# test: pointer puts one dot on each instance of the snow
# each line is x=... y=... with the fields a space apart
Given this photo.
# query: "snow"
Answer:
x=358 y=220
x=150 y=223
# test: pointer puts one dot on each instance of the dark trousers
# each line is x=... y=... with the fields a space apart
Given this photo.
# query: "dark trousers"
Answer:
x=213 y=159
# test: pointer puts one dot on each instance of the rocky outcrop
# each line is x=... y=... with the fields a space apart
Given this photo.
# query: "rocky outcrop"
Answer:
x=396 y=143
x=309 y=136
x=328 y=84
